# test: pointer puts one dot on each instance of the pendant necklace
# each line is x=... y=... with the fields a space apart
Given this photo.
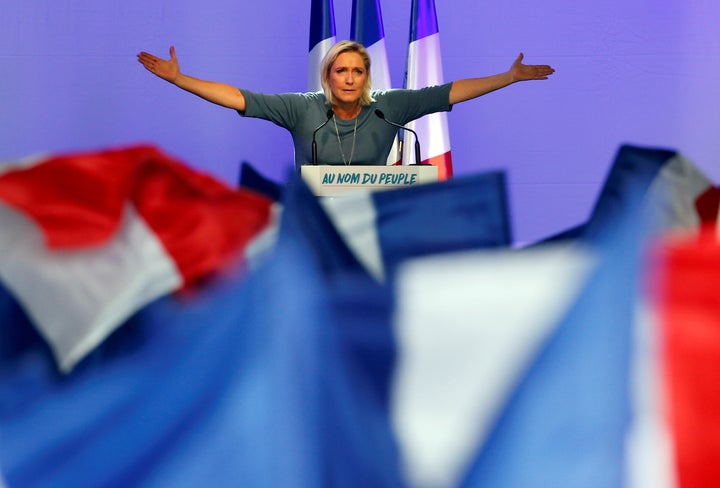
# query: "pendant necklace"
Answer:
x=352 y=151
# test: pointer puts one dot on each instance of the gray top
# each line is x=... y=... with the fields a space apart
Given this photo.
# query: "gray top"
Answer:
x=302 y=113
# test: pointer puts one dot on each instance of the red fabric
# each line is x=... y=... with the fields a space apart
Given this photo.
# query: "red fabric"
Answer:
x=690 y=310
x=708 y=205
x=78 y=199
x=444 y=164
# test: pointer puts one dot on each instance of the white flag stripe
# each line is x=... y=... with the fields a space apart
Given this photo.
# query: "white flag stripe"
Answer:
x=649 y=442
x=424 y=68
x=674 y=191
x=355 y=219
x=380 y=71
x=28 y=162
x=96 y=289
x=315 y=57
x=424 y=62
x=380 y=68
x=462 y=343
x=433 y=134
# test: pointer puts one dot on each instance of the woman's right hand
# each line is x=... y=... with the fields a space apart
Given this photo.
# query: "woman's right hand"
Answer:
x=212 y=91
x=167 y=69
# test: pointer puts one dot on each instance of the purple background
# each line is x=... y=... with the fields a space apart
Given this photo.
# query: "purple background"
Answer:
x=644 y=72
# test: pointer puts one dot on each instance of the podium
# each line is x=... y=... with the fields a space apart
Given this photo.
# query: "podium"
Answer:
x=331 y=181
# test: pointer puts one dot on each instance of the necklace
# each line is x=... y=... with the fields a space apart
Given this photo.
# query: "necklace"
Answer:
x=352 y=151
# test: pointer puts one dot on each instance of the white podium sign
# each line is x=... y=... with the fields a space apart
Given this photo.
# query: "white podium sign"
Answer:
x=329 y=180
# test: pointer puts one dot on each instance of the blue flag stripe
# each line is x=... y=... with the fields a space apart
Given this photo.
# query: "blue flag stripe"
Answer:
x=322 y=22
x=423 y=21
x=366 y=25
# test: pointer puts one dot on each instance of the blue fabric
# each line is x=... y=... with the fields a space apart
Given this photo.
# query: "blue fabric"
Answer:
x=282 y=377
x=16 y=331
x=566 y=424
x=576 y=232
x=423 y=20
x=275 y=379
x=366 y=26
x=322 y=22
x=633 y=171
x=185 y=403
x=252 y=179
x=324 y=243
x=463 y=213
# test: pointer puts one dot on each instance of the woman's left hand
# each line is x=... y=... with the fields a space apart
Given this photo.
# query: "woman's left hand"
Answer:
x=523 y=72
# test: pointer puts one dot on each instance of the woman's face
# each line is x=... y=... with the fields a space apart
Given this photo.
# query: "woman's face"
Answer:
x=347 y=78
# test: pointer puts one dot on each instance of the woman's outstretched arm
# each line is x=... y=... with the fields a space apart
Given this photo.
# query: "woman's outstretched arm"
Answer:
x=212 y=91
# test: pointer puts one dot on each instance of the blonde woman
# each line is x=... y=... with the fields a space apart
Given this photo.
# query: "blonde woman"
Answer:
x=352 y=133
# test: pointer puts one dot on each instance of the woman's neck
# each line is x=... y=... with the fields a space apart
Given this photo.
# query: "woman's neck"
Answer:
x=347 y=111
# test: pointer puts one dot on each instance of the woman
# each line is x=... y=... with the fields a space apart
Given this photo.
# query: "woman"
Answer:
x=352 y=133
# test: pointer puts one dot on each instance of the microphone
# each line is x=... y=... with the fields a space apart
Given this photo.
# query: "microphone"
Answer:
x=314 y=144
x=418 y=159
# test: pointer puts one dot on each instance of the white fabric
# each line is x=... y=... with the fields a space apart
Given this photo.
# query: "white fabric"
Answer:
x=425 y=69
x=355 y=219
x=673 y=192
x=466 y=326
x=650 y=456
x=77 y=298
x=260 y=247
x=380 y=71
x=315 y=57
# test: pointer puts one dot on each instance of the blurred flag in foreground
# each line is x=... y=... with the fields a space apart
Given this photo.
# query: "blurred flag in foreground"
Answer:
x=424 y=68
x=572 y=364
x=502 y=368
x=686 y=280
x=387 y=228
x=680 y=195
x=520 y=378
x=288 y=366
x=321 y=38
x=87 y=239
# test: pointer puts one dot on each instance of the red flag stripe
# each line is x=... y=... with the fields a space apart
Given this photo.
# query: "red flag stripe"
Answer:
x=690 y=309
x=708 y=205
x=443 y=163
x=78 y=199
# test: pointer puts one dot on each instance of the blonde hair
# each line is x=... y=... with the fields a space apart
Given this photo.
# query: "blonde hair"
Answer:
x=336 y=50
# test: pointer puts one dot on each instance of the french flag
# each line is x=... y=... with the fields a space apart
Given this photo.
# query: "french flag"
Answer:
x=528 y=367
x=424 y=68
x=89 y=238
x=578 y=387
x=367 y=29
x=605 y=376
x=322 y=37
